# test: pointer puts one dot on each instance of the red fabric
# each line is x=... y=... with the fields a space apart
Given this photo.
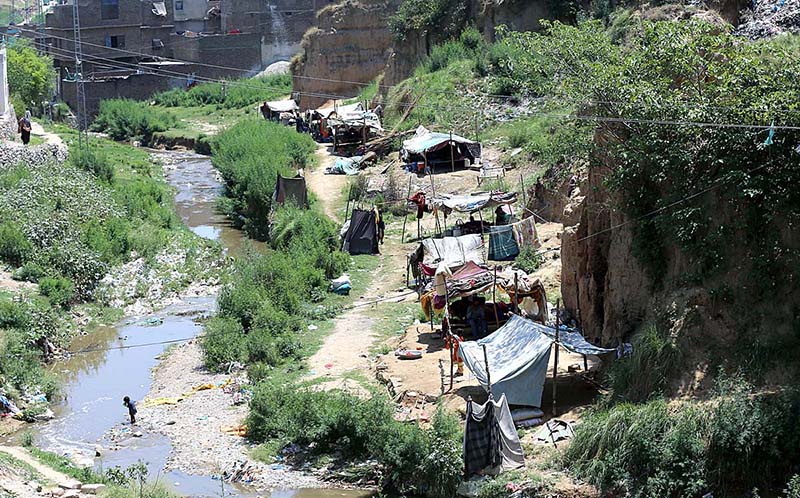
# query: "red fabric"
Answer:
x=427 y=270
x=468 y=270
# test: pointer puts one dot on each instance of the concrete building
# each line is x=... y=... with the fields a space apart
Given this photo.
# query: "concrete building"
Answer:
x=281 y=23
x=197 y=15
x=122 y=31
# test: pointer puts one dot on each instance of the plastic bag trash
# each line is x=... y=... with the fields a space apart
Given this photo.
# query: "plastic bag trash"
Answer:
x=341 y=285
x=312 y=327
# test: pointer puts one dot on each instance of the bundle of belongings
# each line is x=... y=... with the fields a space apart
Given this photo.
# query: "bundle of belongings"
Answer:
x=517 y=355
x=341 y=285
x=491 y=443
x=7 y=406
x=350 y=165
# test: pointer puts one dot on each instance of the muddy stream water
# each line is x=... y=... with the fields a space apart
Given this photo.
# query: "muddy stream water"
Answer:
x=117 y=360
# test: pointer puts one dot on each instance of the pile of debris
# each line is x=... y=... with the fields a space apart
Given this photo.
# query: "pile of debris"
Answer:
x=769 y=18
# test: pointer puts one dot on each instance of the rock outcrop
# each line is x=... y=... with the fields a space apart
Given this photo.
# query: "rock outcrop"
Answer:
x=349 y=45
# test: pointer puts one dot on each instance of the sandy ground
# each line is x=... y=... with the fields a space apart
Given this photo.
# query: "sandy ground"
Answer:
x=195 y=425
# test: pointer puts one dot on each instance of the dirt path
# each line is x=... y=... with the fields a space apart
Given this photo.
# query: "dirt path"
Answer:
x=347 y=348
x=329 y=189
x=50 y=138
x=50 y=475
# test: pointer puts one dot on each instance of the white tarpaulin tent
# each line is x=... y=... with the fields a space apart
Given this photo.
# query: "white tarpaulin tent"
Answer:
x=453 y=251
x=282 y=106
x=518 y=353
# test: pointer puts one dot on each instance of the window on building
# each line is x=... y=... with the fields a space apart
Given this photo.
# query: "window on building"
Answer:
x=115 y=41
x=109 y=9
x=178 y=5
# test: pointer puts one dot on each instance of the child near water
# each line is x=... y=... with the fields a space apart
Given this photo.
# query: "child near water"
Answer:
x=131 y=405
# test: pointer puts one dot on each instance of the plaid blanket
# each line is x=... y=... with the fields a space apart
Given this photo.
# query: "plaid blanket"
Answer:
x=502 y=244
x=482 y=441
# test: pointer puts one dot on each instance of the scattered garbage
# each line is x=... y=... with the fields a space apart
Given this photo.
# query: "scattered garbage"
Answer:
x=408 y=354
x=341 y=285
x=152 y=322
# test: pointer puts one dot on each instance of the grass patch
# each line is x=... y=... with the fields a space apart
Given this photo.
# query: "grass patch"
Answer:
x=231 y=95
x=62 y=464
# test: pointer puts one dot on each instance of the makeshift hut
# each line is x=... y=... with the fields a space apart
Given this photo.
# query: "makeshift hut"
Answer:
x=272 y=111
x=292 y=191
x=361 y=236
x=440 y=149
x=517 y=355
x=355 y=127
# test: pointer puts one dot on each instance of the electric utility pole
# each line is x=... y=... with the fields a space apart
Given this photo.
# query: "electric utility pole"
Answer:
x=83 y=138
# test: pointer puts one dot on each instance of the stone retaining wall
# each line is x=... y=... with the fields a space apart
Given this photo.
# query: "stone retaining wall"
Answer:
x=12 y=153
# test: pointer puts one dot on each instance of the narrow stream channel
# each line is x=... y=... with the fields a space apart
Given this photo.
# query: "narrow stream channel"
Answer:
x=121 y=358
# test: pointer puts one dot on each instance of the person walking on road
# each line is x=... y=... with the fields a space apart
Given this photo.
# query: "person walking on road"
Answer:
x=25 y=127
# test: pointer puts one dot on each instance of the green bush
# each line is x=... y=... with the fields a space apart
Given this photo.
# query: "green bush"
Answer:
x=125 y=119
x=529 y=260
x=652 y=366
x=59 y=290
x=15 y=247
x=29 y=272
x=414 y=460
x=730 y=445
x=232 y=95
x=223 y=343
x=250 y=156
x=445 y=19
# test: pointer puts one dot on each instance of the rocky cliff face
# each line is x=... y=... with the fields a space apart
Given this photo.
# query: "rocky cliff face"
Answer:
x=350 y=43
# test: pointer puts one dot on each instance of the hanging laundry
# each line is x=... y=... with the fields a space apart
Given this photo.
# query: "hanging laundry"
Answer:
x=491 y=442
x=525 y=233
x=502 y=245
x=771 y=134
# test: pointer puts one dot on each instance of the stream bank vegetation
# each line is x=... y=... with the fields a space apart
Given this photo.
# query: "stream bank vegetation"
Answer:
x=264 y=312
x=67 y=229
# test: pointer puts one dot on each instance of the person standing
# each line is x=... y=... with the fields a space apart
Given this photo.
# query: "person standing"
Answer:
x=131 y=406
x=476 y=317
x=25 y=127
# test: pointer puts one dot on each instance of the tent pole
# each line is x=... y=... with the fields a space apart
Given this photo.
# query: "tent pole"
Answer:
x=494 y=298
x=403 y=237
x=516 y=292
x=524 y=196
x=486 y=364
x=433 y=193
x=452 y=158
x=364 y=132
x=449 y=332
x=578 y=314
x=555 y=361
x=480 y=215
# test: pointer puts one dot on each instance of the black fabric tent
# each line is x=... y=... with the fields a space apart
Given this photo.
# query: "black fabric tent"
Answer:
x=362 y=235
x=292 y=190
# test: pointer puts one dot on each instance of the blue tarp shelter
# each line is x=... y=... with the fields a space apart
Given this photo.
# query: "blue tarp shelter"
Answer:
x=518 y=354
